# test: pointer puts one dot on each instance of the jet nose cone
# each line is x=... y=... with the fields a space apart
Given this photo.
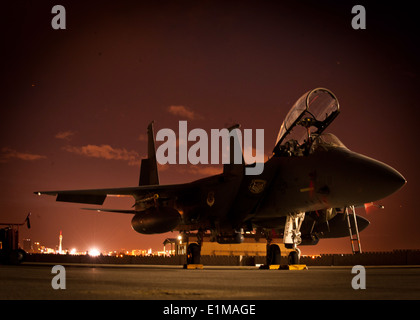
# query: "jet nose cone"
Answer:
x=377 y=179
x=396 y=179
x=390 y=180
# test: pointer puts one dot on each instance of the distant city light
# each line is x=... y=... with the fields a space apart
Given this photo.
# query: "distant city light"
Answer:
x=35 y=247
x=94 y=252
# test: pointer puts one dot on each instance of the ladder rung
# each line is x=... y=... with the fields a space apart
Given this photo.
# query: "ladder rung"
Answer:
x=354 y=238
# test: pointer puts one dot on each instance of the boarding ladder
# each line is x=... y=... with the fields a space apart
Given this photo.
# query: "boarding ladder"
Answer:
x=352 y=224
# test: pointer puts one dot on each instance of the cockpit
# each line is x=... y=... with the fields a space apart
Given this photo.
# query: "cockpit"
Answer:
x=312 y=113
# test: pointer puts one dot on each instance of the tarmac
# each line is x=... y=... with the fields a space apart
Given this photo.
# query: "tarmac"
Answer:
x=34 y=281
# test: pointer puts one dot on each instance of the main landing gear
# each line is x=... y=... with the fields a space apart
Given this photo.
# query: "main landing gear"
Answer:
x=292 y=236
x=193 y=251
x=291 y=239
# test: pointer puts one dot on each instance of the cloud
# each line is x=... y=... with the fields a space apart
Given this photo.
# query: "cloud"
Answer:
x=142 y=137
x=107 y=152
x=65 y=135
x=183 y=112
x=8 y=153
x=202 y=170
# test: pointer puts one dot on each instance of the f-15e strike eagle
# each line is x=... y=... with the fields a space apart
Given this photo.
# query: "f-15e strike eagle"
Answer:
x=307 y=191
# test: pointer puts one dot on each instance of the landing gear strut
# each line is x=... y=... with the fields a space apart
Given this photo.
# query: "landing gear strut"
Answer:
x=193 y=250
x=292 y=236
x=291 y=239
x=193 y=253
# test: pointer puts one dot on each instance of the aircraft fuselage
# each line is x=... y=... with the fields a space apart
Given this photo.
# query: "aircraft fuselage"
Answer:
x=333 y=177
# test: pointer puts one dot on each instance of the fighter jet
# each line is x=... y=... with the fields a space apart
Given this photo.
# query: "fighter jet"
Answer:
x=307 y=191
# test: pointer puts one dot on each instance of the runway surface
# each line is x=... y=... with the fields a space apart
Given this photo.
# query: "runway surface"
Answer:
x=34 y=281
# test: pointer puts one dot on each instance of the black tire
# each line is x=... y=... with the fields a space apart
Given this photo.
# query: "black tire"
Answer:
x=273 y=254
x=293 y=257
x=17 y=256
x=193 y=253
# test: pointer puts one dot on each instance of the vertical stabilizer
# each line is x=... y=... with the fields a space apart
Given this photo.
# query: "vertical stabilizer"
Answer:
x=148 y=168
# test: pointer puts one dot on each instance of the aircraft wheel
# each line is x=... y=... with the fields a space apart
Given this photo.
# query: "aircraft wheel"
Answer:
x=273 y=254
x=193 y=253
x=17 y=256
x=293 y=257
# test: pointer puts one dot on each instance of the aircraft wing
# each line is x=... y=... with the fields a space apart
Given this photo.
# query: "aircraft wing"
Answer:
x=111 y=210
x=98 y=196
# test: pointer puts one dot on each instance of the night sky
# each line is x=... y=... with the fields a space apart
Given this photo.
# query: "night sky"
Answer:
x=75 y=103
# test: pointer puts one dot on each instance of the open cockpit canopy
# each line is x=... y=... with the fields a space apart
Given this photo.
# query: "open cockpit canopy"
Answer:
x=308 y=118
